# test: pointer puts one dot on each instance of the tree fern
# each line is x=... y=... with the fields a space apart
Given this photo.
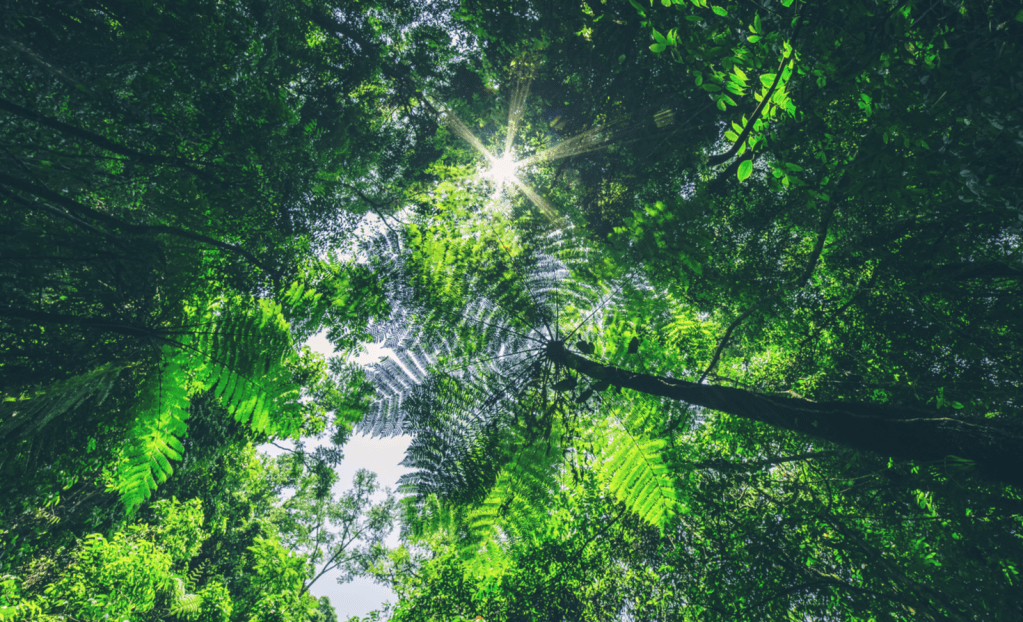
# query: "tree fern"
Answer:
x=489 y=412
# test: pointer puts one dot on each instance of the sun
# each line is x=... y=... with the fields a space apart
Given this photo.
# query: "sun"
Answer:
x=506 y=171
x=502 y=171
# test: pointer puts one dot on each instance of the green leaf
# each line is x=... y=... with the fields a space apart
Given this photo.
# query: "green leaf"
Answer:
x=720 y=10
x=754 y=38
x=745 y=170
x=756 y=24
x=657 y=48
x=712 y=88
x=767 y=79
x=585 y=347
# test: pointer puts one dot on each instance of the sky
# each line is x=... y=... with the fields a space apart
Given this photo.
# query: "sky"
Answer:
x=380 y=455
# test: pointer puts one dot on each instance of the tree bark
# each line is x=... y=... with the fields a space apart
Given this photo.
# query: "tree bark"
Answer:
x=995 y=447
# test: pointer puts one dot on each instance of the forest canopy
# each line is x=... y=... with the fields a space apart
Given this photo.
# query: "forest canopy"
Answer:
x=692 y=310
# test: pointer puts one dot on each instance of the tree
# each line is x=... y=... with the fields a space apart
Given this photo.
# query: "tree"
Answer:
x=342 y=533
x=487 y=318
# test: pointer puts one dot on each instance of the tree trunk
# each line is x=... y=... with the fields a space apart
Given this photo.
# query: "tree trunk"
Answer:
x=995 y=447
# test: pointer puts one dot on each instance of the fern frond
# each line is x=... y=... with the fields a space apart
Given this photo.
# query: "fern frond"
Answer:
x=192 y=578
x=24 y=415
x=244 y=357
x=631 y=465
x=183 y=604
x=155 y=439
x=525 y=490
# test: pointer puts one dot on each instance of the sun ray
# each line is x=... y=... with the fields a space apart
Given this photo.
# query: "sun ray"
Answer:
x=592 y=139
x=540 y=202
x=451 y=120
x=516 y=107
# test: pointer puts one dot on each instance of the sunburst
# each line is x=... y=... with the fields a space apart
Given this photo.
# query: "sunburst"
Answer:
x=503 y=170
x=506 y=170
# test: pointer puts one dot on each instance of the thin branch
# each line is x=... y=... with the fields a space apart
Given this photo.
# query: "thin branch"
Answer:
x=715 y=160
x=724 y=341
x=733 y=467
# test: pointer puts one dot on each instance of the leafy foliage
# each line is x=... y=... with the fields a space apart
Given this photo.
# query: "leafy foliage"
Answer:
x=243 y=358
x=126 y=576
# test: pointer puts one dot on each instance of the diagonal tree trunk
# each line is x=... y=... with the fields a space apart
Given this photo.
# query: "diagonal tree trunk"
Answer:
x=995 y=447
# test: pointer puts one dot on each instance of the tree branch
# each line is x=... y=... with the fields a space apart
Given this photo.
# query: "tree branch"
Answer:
x=715 y=160
x=995 y=447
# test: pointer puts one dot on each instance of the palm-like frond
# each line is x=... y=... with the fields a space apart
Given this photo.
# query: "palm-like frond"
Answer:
x=629 y=461
x=243 y=358
x=156 y=438
x=503 y=313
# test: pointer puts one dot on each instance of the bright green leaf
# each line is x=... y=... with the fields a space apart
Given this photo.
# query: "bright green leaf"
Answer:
x=745 y=170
